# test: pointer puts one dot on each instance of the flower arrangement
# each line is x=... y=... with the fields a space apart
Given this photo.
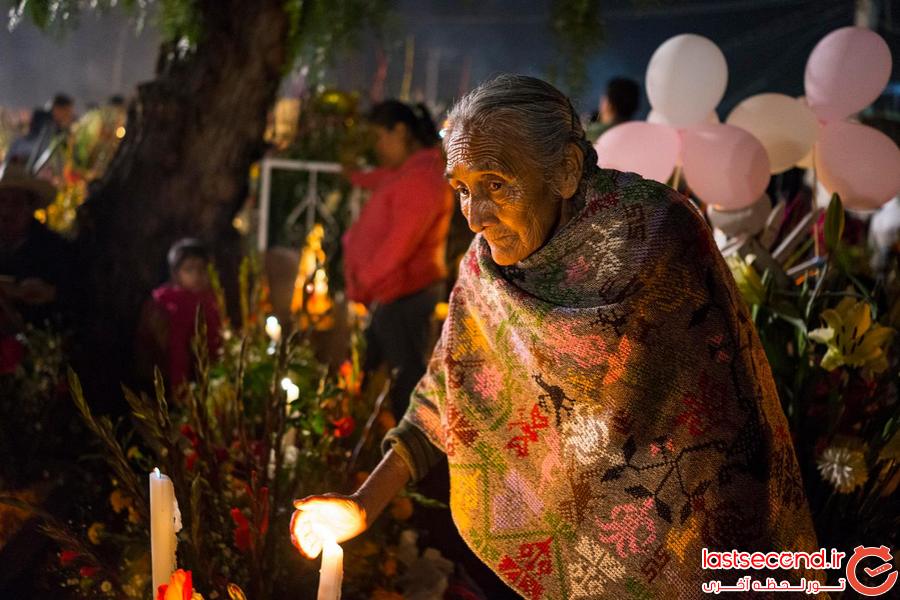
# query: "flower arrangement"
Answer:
x=829 y=333
x=262 y=424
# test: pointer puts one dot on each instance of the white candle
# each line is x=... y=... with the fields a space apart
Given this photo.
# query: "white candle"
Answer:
x=273 y=328
x=332 y=571
x=165 y=521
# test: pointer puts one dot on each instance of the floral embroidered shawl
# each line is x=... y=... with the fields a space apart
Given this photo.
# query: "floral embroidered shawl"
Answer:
x=607 y=409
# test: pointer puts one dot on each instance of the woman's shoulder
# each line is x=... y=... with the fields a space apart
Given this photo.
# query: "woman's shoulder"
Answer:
x=639 y=196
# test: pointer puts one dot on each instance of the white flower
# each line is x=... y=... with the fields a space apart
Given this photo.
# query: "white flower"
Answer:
x=844 y=468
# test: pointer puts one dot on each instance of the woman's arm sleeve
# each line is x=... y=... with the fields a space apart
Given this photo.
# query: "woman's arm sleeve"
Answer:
x=418 y=438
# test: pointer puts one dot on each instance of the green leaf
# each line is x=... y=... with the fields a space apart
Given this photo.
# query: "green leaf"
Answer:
x=834 y=223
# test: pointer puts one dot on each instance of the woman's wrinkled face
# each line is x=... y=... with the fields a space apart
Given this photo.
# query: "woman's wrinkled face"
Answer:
x=502 y=193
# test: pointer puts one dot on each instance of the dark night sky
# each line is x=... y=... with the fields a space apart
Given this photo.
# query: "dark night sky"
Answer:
x=766 y=43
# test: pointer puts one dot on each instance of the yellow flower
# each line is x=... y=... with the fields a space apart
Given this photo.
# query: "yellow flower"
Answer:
x=119 y=501
x=95 y=532
x=852 y=338
x=441 y=309
x=133 y=515
x=748 y=281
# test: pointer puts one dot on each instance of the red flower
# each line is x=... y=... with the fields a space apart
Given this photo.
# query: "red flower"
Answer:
x=241 y=530
x=11 y=354
x=344 y=427
x=264 y=502
x=66 y=557
x=221 y=453
x=188 y=432
x=190 y=459
x=88 y=571
x=180 y=587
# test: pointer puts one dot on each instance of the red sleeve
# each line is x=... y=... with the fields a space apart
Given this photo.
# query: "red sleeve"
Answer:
x=372 y=179
x=410 y=208
x=350 y=269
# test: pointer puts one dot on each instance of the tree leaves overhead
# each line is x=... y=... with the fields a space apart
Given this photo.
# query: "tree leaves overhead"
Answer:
x=579 y=31
x=317 y=27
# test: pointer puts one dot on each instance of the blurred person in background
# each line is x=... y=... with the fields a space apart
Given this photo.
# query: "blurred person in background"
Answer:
x=617 y=105
x=394 y=255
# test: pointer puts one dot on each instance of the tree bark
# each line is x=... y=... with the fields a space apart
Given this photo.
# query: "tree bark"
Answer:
x=181 y=169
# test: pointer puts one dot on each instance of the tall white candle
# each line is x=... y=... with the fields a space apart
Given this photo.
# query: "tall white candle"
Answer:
x=165 y=521
x=332 y=571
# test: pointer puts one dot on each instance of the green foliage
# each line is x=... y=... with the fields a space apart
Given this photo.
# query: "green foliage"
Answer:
x=579 y=31
x=829 y=336
x=57 y=15
x=318 y=28
x=834 y=223
x=180 y=20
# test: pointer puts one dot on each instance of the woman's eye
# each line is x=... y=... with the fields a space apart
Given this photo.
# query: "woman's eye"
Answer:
x=495 y=186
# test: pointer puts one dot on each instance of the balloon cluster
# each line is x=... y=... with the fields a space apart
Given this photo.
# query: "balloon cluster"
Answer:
x=728 y=165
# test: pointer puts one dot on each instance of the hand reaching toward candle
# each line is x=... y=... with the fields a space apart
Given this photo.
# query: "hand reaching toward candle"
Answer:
x=319 y=519
x=333 y=516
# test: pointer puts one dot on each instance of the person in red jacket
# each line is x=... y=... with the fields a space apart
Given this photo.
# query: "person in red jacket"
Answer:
x=394 y=255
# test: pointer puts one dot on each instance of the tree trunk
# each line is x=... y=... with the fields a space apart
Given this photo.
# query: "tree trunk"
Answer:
x=181 y=170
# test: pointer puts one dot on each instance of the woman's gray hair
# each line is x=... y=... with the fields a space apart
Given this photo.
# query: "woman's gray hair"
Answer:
x=538 y=112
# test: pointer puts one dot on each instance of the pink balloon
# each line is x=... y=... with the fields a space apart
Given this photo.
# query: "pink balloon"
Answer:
x=846 y=71
x=859 y=163
x=648 y=149
x=724 y=165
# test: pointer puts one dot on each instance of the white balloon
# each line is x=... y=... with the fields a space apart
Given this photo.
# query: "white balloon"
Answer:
x=786 y=128
x=686 y=79
x=660 y=119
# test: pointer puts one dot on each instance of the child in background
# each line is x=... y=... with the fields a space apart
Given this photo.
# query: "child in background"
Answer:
x=168 y=319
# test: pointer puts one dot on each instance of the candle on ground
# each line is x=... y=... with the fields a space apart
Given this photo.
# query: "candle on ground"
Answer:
x=165 y=521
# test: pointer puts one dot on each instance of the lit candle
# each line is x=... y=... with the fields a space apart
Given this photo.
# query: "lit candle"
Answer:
x=165 y=521
x=332 y=571
x=292 y=392
x=319 y=303
x=273 y=329
x=291 y=389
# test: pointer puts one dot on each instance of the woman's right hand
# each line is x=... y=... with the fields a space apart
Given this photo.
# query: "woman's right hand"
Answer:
x=319 y=518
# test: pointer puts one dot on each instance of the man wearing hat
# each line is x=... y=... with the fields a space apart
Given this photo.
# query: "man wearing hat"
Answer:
x=34 y=262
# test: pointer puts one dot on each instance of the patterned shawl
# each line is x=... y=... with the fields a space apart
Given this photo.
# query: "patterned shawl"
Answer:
x=607 y=409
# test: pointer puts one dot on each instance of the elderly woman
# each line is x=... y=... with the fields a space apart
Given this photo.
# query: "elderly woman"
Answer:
x=599 y=389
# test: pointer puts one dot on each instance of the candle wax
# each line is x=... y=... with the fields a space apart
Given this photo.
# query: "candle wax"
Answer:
x=332 y=572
